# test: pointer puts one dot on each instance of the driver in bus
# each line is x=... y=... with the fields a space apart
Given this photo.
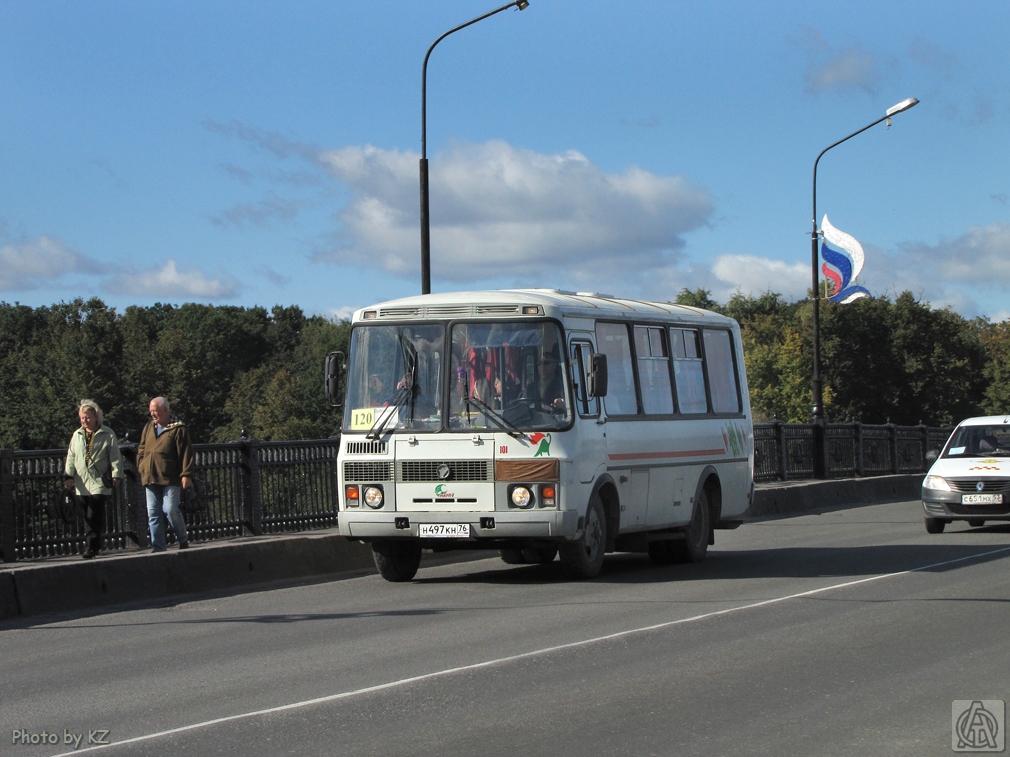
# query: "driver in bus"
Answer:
x=548 y=390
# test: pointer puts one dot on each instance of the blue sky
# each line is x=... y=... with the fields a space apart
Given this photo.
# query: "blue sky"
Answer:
x=265 y=153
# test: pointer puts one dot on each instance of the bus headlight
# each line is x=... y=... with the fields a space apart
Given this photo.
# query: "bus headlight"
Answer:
x=373 y=497
x=522 y=496
x=936 y=482
x=548 y=496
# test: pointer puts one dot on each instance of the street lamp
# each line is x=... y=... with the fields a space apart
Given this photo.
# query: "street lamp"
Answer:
x=425 y=236
x=817 y=410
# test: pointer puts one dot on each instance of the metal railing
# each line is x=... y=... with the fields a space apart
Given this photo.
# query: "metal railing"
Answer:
x=244 y=487
x=796 y=451
x=253 y=488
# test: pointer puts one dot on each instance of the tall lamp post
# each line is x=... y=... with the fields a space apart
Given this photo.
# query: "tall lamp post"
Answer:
x=817 y=410
x=425 y=235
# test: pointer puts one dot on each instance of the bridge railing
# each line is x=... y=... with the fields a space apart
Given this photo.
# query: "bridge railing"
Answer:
x=254 y=488
x=244 y=487
x=797 y=451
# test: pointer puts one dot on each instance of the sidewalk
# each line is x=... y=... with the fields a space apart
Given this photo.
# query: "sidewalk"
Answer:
x=73 y=584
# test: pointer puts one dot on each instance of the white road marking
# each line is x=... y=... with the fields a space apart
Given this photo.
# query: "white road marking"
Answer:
x=524 y=655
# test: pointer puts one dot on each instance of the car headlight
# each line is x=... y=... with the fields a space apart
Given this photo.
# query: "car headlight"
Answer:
x=936 y=482
x=373 y=497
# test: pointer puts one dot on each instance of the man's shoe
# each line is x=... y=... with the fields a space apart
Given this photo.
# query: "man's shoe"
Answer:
x=88 y=554
x=184 y=545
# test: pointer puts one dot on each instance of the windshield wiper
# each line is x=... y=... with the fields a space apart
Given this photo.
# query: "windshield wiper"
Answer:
x=409 y=354
x=388 y=412
x=500 y=421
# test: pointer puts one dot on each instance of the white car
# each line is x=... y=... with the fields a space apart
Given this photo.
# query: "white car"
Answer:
x=970 y=480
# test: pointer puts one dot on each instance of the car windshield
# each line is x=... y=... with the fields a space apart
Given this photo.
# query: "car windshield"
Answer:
x=979 y=441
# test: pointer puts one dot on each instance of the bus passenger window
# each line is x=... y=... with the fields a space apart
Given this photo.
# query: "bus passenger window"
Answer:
x=653 y=370
x=612 y=340
x=688 y=372
x=721 y=371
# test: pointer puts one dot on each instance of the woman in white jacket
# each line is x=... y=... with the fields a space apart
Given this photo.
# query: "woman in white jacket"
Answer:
x=94 y=467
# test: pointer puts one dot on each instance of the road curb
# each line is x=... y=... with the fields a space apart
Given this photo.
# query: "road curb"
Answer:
x=66 y=585
x=798 y=497
x=73 y=584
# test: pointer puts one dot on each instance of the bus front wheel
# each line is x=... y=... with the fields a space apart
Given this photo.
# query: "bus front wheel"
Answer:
x=584 y=558
x=396 y=560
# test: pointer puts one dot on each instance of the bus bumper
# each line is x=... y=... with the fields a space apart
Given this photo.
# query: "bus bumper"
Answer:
x=541 y=524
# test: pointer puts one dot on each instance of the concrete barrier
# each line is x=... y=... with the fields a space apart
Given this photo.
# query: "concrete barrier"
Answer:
x=796 y=497
x=70 y=584
x=73 y=584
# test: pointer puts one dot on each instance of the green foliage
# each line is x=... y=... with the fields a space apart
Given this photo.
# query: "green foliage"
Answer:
x=881 y=361
x=699 y=298
x=229 y=370
x=224 y=370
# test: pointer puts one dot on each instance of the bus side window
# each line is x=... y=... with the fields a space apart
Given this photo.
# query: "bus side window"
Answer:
x=653 y=370
x=721 y=370
x=613 y=341
x=688 y=372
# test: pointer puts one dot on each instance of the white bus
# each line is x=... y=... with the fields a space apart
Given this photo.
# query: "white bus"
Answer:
x=538 y=423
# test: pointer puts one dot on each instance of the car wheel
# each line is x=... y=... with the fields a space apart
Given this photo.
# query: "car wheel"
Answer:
x=934 y=525
x=396 y=560
x=694 y=547
x=584 y=558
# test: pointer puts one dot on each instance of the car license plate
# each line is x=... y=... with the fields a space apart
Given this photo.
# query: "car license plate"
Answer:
x=444 y=530
x=981 y=499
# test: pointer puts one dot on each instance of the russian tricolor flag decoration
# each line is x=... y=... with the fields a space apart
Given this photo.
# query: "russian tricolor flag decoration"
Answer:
x=842 y=258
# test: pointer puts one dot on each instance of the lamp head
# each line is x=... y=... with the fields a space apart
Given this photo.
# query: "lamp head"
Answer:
x=522 y=4
x=904 y=105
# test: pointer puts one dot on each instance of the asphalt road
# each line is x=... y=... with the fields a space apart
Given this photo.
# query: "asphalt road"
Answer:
x=840 y=633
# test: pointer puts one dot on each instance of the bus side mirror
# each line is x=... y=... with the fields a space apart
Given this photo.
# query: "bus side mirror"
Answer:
x=597 y=379
x=332 y=375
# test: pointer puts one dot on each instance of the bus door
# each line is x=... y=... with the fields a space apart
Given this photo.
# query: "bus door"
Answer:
x=591 y=450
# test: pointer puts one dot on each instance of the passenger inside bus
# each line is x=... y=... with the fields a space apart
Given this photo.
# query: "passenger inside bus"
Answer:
x=376 y=393
x=548 y=390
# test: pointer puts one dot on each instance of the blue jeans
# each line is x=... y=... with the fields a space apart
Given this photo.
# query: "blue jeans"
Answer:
x=163 y=501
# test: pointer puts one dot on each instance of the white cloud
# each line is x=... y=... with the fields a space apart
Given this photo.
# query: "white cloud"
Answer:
x=33 y=264
x=754 y=276
x=503 y=213
x=260 y=214
x=169 y=282
x=830 y=68
x=342 y=314
x=969 y=274
x=848 y=69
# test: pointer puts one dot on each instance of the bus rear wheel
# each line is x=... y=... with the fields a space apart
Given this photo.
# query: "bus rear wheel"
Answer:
x=694 y=546
x=396 y=560
x=584 y=558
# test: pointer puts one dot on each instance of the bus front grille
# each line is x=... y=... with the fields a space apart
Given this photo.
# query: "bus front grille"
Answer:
x=368 y=471
x=459 y=470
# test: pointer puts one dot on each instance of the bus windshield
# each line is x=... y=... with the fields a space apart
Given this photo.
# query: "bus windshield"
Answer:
x=504 y=376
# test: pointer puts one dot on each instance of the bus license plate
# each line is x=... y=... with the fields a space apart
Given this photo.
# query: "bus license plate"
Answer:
x=444 y=530
x=981 y=499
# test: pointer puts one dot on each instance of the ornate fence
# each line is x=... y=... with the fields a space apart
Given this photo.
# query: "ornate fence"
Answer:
x=796 y=451
x=245 y=488
x=255 y=488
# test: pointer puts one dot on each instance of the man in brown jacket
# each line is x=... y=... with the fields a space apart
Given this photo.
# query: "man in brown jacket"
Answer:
x=166 y=464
